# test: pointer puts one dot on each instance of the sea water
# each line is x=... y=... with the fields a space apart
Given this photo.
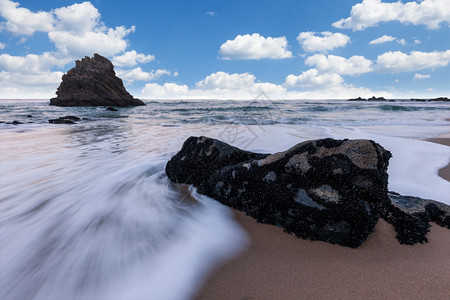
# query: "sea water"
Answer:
x=87 y=212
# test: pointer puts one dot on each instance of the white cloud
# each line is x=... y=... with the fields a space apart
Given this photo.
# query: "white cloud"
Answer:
x=137 y=74
x=421 y=76
x=328 y=41
x=211 y=13
x=31 y=63
x=417 y=42
x=107 y=43
x=255 y=46
x=38 y=86
x=224 y=80
x=219 y=85
x=402 y=42
x=337 y=64
x=75 y=30
x=165 y=91
x=386 y=39
x=22 y=21
x=79 y=17
x=313 y=79
x=2 y=46
x=397 y=61
x=132 y=58
x=430 y=13
x=382 y=40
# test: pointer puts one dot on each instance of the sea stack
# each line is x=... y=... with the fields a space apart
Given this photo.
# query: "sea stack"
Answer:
x=93 y=82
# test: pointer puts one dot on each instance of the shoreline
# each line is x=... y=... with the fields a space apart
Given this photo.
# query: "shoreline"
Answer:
x=277 y=265
x=443 y=140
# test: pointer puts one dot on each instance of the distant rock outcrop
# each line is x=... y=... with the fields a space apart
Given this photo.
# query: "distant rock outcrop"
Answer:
x=444 y=99
x=373 y=98
x=329 y=190
x=93 y=82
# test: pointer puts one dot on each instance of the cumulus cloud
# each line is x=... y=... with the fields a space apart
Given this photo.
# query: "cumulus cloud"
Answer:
x=166 y=91
x=219 y=85
x=255 y=46
x=421 y=76
x=224 y=80
x=2 y=46
x=382 y=40
x=313 y=79
x=211 y=13
x=132 y=58
x=386 y=39
x=314 y=91
x=340 y=65
x=368 y=13
x=137 y=74
x=394 y=62
x=31 y=63
x=22 y=21
x=79 y=17
x=76 y=30
x=108 y=42
x=311 y=42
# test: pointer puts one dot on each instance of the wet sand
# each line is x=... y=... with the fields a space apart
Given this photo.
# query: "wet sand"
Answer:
x=444 y=172
x=278 y=265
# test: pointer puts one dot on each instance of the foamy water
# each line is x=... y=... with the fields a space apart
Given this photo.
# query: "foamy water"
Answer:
x=88 y=213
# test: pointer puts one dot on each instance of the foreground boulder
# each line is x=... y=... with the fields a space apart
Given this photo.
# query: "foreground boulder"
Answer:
x=329 y=190
x=93 y=82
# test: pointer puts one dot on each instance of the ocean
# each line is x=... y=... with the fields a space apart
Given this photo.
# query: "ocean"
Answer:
x=86 y=211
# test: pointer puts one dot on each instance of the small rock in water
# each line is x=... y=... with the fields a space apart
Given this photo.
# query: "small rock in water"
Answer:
x=111 y=109
x=64 y=120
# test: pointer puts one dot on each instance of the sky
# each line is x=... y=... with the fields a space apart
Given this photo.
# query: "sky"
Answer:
x=215 y=49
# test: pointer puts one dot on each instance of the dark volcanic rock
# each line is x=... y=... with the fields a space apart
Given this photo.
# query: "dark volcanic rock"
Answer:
x=445 y=99
x=329 y=190
x=373 y=98
x=357 y=99
x=64 y=120
x=93 y=82
x=411 y=216
x=200 y=157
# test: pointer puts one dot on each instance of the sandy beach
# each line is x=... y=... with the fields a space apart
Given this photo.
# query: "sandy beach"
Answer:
x=277 y=265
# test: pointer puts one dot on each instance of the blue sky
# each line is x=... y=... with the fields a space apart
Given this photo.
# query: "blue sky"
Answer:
x=232 y=49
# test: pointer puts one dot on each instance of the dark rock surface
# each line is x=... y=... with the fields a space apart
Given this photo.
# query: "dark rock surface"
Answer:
x=328 y=190
x=93 y=82
x=445 y=99
x=64 y=120
x=411 y=217
x=373 y=98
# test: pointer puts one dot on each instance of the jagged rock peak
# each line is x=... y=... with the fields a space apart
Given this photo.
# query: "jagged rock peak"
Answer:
x=93 y=82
